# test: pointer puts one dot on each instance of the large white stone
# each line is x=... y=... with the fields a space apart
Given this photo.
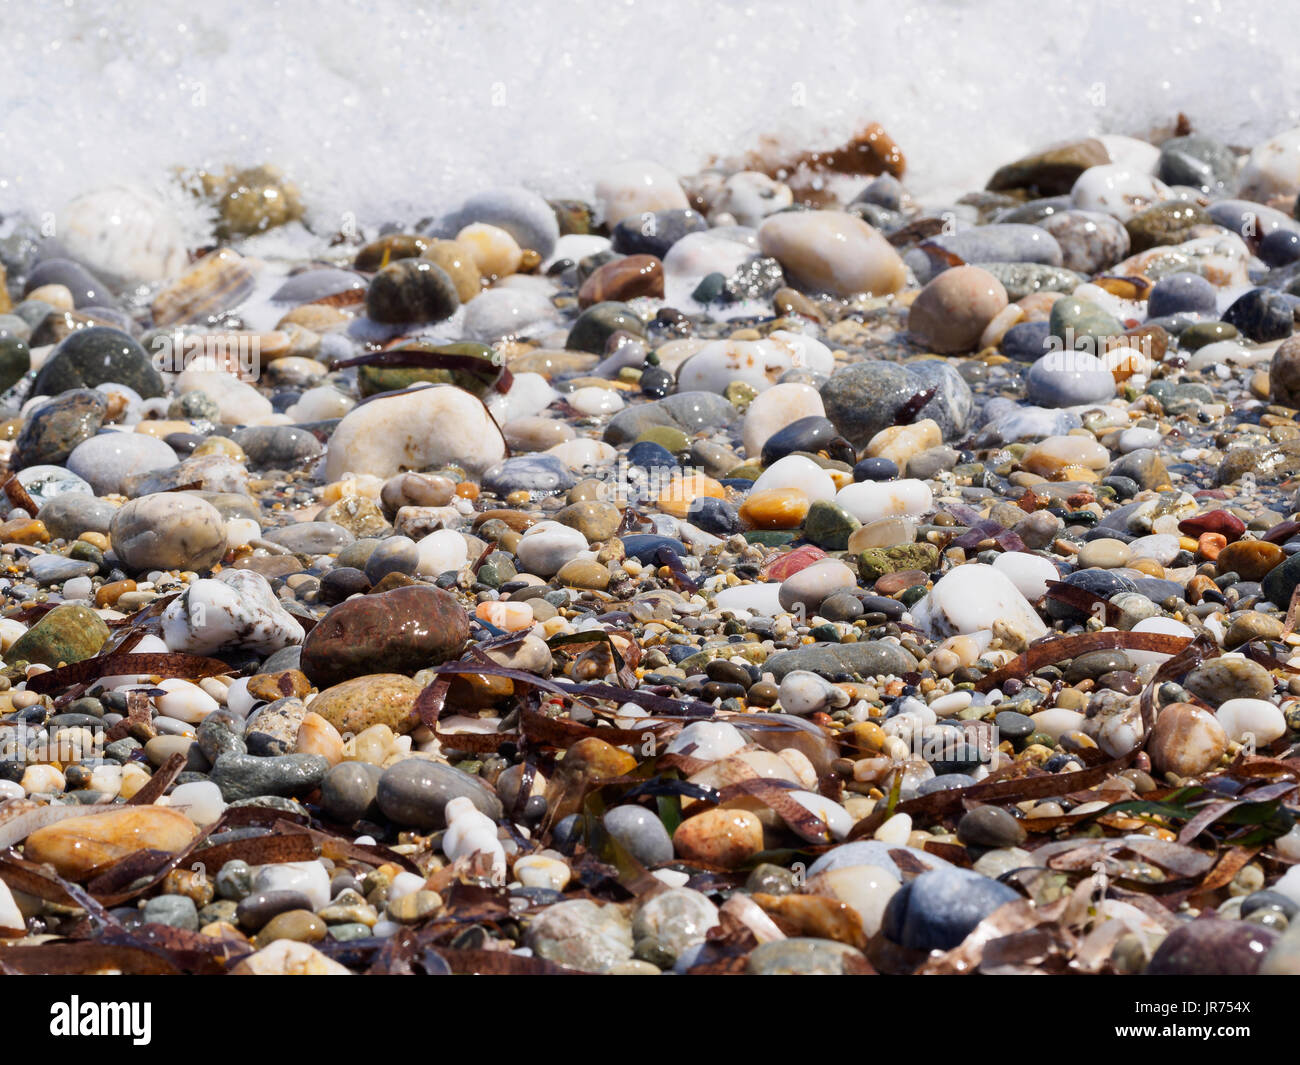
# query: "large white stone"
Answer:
x=434 y=426
x=707 y=740
x=756 y=362
x=124 y=235
x=761 y=599
x=869 y=500
x=1131 y=153
x=506 y=312
x=237 y=610
x=1163 y=626
x=529 y=394
x=972 y=598
x=1273 y=168
x=800 y=473
x=1243 y=718
x=1117 y=190
x=637 y=187
x=239 y=402
x=1029 y=573
x=833 y=252
x=547 y=546
x=441 y=551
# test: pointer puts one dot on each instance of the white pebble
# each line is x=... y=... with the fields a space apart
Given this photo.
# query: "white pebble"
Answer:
x=78 y=588
x=707 y=740
x=184 y=701
x=799 y=473
x=804 y=693
x=592 y=400
x=1257 y=718
x=537 y=870
x=202 y=801
x=1029 y=573
x=952 y=703
x=896 y=830
x=837 y=819
x=1162 y=626
x=871 y=500
x=441 y=551
x=238 y=701
x=42 y=780
x=308 y=877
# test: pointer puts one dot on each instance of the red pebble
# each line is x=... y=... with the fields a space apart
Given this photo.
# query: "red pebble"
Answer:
x=1226 y=524
x=791 y=562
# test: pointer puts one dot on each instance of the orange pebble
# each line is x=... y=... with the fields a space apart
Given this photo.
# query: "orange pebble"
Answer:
x=1076 y=473
x=775 y=508
x=1149 y=566
x=681 y=492
x=109 y=594
x=467 y=490
x=1210 y=544
x=25 y=531
x=506 y=615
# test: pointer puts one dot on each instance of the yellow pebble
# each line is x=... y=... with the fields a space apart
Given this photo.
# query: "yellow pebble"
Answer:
x=362 y=484
x=775 y=508
x=1149 y=566
x=221 y=445
x=681 y=492
x=494 y=251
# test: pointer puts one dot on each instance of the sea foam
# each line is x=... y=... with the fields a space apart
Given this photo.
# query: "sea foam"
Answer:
x=386 y=110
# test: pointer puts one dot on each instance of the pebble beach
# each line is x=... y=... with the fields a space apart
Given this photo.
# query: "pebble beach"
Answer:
x=768 y=567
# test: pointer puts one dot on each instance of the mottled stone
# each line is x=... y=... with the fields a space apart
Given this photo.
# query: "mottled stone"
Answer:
x=373 y=699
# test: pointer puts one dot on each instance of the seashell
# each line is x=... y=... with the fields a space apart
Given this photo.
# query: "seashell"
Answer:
x=214 y=284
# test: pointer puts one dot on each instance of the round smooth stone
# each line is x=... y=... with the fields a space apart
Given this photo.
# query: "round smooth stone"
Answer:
x=971 y=598
x=1069 y=379
x=798 y=472
x=1117 y=190
x=954 y=309
x=834 y=252
x=775 y=409
x=1105 y=553
x=1162 y=626
x=869 y=501
x=1254 y=718
x=1029 y=573
x=1182 y=292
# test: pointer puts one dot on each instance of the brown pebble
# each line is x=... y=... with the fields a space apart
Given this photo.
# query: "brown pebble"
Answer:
x=623 y=279
x=109 y=594
x=301 y=925
x=1252 y=559
x=893 y=583
x=272 y=686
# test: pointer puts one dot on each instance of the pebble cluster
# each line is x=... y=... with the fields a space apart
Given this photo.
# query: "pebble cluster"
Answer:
x=737 y=573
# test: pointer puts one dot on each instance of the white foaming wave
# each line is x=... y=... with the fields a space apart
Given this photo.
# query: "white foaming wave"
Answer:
x=395 y=111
